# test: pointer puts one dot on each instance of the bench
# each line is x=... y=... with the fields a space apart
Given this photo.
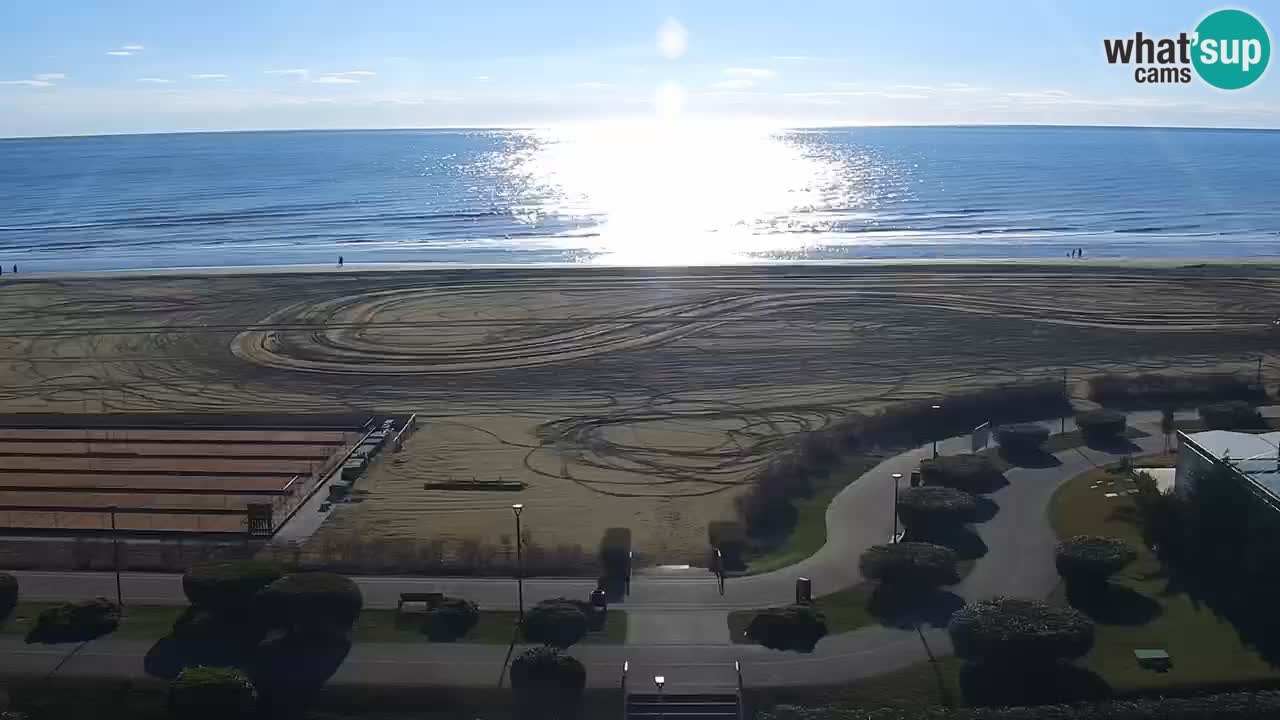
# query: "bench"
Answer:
x=432 y=599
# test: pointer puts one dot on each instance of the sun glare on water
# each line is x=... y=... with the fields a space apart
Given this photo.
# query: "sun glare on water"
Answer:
x=680 y=191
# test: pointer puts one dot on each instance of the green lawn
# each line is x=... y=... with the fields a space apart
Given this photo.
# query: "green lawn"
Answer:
x=1204 y=649
x=913 y=689
x=845 y=610
x=138 y=622
x=494 y=626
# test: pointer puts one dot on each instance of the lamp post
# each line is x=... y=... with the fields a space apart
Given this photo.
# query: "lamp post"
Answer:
x=517 y=509
x=897 y=478
x=115 y=556
x=935 y=409
x=659 y=680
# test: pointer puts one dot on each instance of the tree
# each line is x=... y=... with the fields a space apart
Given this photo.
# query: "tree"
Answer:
x=1088 y=561
x=557 y=623
x=971 y=473
x=1012 y=631
x=228 y=587
x=312 y=605
x=1022 y=438
x=910 y=566
x=794 y=627
x=8 y=594
x=451 y=619
x=615 y=553
x=927 y=510
x=212 y=693
x=75 y=621
x=547 y=683
x=1101 y=424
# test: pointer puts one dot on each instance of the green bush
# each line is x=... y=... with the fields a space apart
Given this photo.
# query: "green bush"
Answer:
x=211 y=693
x=201 y=625
x=1009 y=631
x=1022 y=437
x=75 y=621
x=730 y=538
x=228 y=587
x=311 y=604
x=929 y=509
x=557 y=623
x=451 y=619
x=615 y=552
x=547 y=683
x=795 y=627
x=910 y=565
x=1101 y=424
x=8 y=594
x=1154 y=390
x=1089 y=560
x=971 y=473
x=1235 y=415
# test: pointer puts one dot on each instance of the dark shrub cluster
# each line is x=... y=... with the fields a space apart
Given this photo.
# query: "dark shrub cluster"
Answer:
x=971 y=473
x=794 y=627
x=730 y=538
x=615 y=553
x=75 y=621
x=228 y=587
x=8 y=594
x=1012 y=631
x=212 y=693
x=547 y=683
x=910 y=565
x=557 y=623
x=1234 y=415
x=1022 y=438
x=1101 y=424
x=312 y=605
x=929 y=509
x=450 y=619
x=1090 y=560
x=1156 y=390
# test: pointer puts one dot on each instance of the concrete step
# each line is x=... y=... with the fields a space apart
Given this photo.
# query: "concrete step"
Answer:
x=702 y=706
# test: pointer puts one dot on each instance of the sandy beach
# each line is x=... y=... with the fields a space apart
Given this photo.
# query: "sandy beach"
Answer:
x=622 y=397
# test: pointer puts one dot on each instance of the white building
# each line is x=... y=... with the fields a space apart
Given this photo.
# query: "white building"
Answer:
x=1255 y=459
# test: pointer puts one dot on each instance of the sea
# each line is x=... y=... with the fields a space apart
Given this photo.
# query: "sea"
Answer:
x=636 y=194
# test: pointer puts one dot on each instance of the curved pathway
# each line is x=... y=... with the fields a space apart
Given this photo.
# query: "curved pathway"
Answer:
x=677 y=623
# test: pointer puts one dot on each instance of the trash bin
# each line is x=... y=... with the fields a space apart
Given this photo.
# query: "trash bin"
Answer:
x=915 y=478
x=804 y=591
x=599 y=599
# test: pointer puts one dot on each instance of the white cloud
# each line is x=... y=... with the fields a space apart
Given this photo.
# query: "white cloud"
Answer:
x=335 y=80
x=48 y=77
x=592 y=85
x=672 y=40
x=734 y=84
x=301 y=73
x=134 y=48
x=354 y=73
x=481 y=78
x=125 y=50
x=27 y=83
x=154 y=80
x=750 y=73
x=210 y=76
x=797 y=58
x=119 y=53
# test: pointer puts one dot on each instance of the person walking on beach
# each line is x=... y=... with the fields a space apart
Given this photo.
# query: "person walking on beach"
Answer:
x=339 y=261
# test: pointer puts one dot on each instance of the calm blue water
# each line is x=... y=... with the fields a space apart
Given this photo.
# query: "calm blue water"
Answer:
x=668 y=196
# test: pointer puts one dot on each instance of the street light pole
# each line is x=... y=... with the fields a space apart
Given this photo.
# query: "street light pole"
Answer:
x=115 y=556
x=936 y=429
x=517 y=509
x=897 y=477
x=659 y=681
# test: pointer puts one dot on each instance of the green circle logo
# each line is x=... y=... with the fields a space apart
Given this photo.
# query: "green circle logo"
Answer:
x=1232 y=49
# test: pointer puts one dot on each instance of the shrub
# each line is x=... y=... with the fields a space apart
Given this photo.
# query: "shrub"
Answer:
x=615 y=552
x=228 y=587
x=75 y=621
x=311 y=604
x=1101 y=424
x=547 y=683
x=1089 y=560
x=200 y=625
x=730 y=538
x=1022 y=437
x=1154 y=390
x=557 y=623
x=8 y=594
x=212 y=693
x=929 y=509
x=910 y=565
x=1235 y=415
x=1008 y=631
x=794 y=627
x=451 y=619
x=971 y=473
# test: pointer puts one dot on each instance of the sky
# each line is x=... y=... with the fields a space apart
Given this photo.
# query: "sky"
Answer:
x=72 y=67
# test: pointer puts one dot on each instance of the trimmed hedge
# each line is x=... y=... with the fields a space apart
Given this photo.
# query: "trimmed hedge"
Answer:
x=730 y=538
x=556 y=623
x=8 y=594
x=1012 y=631
x=1235 y=415
x=1155 y=390
x=1022 y=437
x=910 y=565
x=212 y=693
x=201 y=625
x=1101 y=424
x=547 y=683
x=971 y=473
x=1091 y=559
x=228 y=587
x=794 y=627
x=75 y=621
x=615 y=553
x=931 y=508
x=451 y=619
x=311 y=604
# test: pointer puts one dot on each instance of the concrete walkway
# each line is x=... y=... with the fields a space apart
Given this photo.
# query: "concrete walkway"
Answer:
x=676 y=625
